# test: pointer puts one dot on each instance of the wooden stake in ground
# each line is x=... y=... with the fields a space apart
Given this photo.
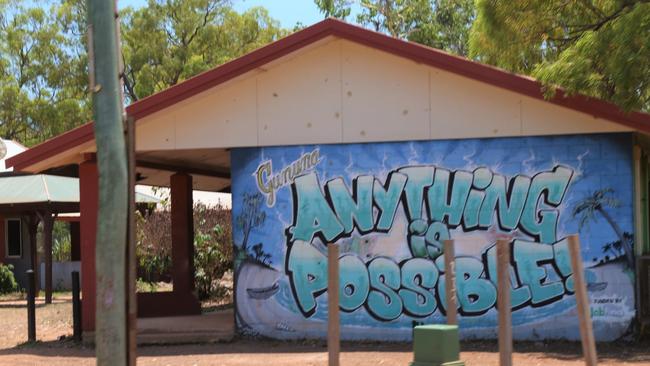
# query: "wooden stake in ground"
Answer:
x=582 y=300
x=333 y=321
x=450 y=283
x=503 y=302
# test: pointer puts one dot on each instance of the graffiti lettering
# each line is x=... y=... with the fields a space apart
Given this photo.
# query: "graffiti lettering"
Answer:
x=416 y=286
x=452 y=199
x=434 y=200
x=268 y=183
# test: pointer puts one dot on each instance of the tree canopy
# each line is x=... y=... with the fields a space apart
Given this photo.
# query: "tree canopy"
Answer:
x=169 y=41
x=334 y=8
x=598 y=48
x=41 y=93
x=443 y=24
x=43 y=60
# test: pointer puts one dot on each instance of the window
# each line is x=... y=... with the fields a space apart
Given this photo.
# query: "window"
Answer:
x=13 y=238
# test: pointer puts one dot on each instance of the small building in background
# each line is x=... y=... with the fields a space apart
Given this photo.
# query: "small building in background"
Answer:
x=30 y=200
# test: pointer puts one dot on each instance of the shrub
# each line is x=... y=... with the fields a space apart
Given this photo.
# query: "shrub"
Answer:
x=61 y=242
x=213 y=249
x=153 y=245
x=7 y=280
x=144 y=286
x=213 y=255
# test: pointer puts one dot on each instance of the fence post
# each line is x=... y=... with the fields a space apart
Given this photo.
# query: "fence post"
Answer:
x=450 y=282
x=31 y=306
x=333 y=324
x=76 y=307
x=582 y=300
x=504 y=303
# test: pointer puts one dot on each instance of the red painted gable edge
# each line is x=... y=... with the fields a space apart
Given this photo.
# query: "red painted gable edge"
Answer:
x=331 y=27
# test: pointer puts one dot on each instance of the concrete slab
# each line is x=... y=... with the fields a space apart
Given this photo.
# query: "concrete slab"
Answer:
x=218 y=326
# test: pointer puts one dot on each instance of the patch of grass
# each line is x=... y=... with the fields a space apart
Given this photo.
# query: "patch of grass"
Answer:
x=13 y=296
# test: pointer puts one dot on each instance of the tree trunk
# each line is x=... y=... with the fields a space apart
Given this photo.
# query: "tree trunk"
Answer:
x=617 y=229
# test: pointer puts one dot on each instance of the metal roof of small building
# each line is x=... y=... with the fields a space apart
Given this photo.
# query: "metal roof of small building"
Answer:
x=43 y=188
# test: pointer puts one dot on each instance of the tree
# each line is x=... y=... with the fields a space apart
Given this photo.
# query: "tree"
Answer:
x=334 y=8
x=251 y=216
x=41 y=91
x=596 y=203
x=399 y=18
x=169 y=41
x=258 y=251
x=43 y=59
x=601 y=49
x=449 y=26
x=608 y=248
x=442 y=24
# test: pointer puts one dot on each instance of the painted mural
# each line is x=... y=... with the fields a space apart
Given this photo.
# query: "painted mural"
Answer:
x=390 y=205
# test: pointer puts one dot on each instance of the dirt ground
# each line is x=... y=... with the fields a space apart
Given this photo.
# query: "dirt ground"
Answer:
x=54 y=329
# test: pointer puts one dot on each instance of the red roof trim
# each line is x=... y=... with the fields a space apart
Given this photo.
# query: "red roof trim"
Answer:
x=53 y=146
x=232 y=69
x=429 y=56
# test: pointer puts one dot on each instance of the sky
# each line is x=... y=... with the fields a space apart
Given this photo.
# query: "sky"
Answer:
x=288 y=12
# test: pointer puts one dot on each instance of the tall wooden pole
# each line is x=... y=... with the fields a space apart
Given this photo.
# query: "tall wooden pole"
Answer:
x=450 y=283
x=582 y=300
x=503 y=302
x=131 y=296
x=333 y=320
x=110 y=255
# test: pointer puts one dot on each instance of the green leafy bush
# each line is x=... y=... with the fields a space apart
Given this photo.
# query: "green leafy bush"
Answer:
x=61 y=242
x=144 y=286
x=154 y=245
x=7 y=280
x=213 y=251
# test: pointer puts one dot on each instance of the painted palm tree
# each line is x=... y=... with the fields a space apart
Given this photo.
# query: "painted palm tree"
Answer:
x=596 y=203
x=258 y=251
x=251 y=217
x=618 y=247
x=608 y=248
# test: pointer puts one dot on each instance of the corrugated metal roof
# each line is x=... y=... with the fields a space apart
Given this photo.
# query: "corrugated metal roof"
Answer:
x=43 y=188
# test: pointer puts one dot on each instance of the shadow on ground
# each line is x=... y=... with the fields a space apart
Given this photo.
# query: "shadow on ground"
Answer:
x=630 y=352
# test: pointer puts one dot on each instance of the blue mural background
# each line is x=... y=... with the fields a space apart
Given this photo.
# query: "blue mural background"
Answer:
x=601 y=168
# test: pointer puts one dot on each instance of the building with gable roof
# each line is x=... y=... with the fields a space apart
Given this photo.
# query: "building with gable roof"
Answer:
x=337 y=134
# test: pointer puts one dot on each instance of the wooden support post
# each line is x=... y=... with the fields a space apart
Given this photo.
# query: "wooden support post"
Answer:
x=48 y=226
x=182 y=233
x=76 y=307
x=450 y=283
x=503 y=302
x=31 y=306
x=333 y=323
x=32 y=228
x=88 y=201
x=582 y=300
